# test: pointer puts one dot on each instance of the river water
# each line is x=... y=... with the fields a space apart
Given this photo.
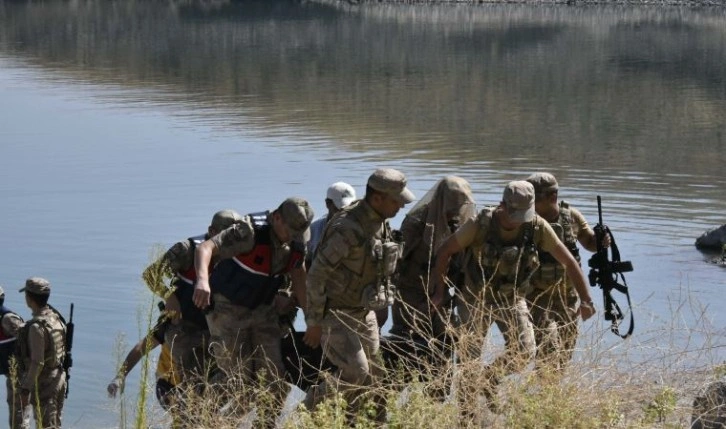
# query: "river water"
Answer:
x=126 y=125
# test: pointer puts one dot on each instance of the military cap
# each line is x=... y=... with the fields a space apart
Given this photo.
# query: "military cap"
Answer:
x=297 y=215
x=391 y=182
x=543 y=183
x=341 y=194
x=37 y=285
x=223 y=219
x=519 y=199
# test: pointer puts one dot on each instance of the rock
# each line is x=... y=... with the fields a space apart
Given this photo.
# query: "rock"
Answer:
x=709 y=407
x=713 y=239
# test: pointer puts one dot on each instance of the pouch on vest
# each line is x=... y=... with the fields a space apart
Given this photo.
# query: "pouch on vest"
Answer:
x=377 y=296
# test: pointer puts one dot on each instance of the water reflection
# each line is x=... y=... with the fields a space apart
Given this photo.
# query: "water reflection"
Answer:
x=627 y=89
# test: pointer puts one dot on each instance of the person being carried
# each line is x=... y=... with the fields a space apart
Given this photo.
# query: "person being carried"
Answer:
x=431 y=221
x=167 y=377
x=187 y=336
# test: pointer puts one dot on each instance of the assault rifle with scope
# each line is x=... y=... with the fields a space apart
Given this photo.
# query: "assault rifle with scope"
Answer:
x=604 y=272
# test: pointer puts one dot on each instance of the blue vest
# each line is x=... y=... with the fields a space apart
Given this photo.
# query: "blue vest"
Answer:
x=247 y=279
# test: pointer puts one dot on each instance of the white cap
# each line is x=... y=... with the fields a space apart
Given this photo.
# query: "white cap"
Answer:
x=341 y=194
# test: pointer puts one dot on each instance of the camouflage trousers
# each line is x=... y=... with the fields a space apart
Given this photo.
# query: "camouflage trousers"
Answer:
x=555 y=318
x=412 y=315
x=351 y=342
x=246 y=343
x=46 y=403
x=188 y=345
x=18 y=416
x=478 y=309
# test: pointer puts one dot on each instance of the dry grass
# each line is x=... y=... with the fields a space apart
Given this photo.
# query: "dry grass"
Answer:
x=647 y=381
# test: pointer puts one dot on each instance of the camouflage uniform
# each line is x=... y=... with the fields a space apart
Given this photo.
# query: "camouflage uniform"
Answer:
x=346 y=269
x=187 y=337
x=553 y=300
x=244 y=324
x=41 y=349
x=11 y=324
x=498 y=266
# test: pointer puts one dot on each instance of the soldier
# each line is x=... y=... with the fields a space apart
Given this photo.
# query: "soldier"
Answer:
x=433 y=219
x=553 y=300
x=10 y=325
x=348 y=280
x=501 y=248
x=187 y=335
x=339 y=196
x=41 y=350
x=255 y=255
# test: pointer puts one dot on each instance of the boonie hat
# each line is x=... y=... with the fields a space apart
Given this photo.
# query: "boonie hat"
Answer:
x=543 y=183
x=519 y=199
x=223 y=219
x=297 y=214
x=37 y=285
x=391 y=182
x=341 y=194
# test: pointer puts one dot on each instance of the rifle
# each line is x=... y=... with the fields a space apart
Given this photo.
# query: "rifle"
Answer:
x=604 y=273
x=68 y=358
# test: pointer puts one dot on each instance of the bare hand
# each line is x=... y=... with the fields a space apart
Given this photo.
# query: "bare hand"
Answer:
x=115 y=386
x=313 y=335
x=201 y=293
x=606 y=240
x=586 y=310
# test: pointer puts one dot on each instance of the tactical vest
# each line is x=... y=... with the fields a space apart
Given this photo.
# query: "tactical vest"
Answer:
x=368 y=271
x=55 y=340
x=7 y=344
x=503 y=267
x=247 y=279
x=550 y=270
x=183 y=284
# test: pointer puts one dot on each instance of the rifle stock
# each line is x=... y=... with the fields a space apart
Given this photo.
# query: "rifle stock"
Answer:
x=604 y=273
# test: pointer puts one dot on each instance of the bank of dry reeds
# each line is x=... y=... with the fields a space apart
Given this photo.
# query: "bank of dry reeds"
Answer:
x=647 y=381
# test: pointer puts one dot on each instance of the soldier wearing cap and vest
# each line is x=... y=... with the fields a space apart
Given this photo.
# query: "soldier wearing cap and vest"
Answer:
x=10 y=325
x=553 y=300
x=338 y=196
x=255 y=255
x=41 y=349
x=501 y=246
x=349 y=279
x=187 y=334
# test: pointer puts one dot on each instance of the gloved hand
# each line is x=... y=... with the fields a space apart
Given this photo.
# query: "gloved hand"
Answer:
x=116 y=385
